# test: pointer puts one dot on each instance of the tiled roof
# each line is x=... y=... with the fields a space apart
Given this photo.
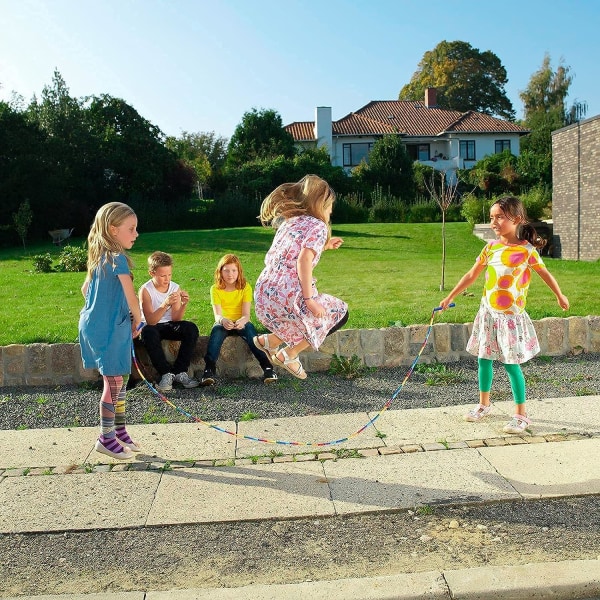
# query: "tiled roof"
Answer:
x=301 y=131
x=407 y=118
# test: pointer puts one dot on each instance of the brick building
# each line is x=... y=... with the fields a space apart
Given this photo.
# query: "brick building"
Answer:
x=576 y=190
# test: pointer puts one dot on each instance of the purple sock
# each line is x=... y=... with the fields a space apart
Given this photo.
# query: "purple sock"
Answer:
x=122 y=434
x=110 y=443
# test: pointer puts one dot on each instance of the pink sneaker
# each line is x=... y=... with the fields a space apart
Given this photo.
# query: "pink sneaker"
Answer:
x=478 y=413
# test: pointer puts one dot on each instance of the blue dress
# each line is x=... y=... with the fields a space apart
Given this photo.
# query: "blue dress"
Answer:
x=104 y=322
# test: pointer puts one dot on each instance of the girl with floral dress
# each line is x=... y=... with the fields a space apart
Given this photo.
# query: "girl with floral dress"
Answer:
x=502 y=330
x=286 y=298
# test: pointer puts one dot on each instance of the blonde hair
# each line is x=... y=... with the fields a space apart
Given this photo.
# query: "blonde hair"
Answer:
x=309 y=196
x=159 y=259
x=230 y=259
x=101 y=244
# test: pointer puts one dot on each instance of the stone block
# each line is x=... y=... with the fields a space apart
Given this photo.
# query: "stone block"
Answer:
x=395 y=344
x=578 y=334
x=459 y=335
x=594 y=329
x=442 y=335
x=417 y=335
x=557 y=335
x=372 y=347
x=63 y=357
x=37 y=359
x=349 y=343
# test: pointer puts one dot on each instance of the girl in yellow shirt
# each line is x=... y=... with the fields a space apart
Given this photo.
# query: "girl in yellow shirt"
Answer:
x=231 y=299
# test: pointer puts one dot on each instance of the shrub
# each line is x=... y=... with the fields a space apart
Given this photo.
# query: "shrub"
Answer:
x=536 y=201
x=475 y=210
x=42 y=263
x=72 y=259
x=425 y=211
x=350 y=209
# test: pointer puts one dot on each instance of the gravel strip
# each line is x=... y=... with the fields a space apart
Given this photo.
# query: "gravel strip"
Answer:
x=322 y=393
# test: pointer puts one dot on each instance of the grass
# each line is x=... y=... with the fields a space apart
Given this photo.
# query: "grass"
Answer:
x=387 y=272
x=440 y=374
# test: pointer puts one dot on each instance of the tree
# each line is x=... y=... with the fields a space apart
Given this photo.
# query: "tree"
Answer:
x=443 y=188
x=23 y=171
x=545 y=107
x=389 y=167
x=204 y=152
x=260 y=135
x=465 y=79
x=22 y=220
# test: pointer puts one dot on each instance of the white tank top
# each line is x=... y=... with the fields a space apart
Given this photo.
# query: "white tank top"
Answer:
x=157 y=298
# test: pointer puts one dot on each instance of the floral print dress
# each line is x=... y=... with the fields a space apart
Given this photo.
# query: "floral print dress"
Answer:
x=278 y=299
x=502 y=330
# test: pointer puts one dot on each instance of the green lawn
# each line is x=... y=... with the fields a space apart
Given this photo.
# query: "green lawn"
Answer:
x=387 y=272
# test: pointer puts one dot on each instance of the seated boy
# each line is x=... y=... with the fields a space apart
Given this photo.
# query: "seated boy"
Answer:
x=163 y=306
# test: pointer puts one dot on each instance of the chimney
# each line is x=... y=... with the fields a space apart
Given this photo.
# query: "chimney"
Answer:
x=430 y=97
x=323 y=127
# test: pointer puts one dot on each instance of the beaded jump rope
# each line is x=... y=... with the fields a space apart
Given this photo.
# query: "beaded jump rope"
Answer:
x=371 y=421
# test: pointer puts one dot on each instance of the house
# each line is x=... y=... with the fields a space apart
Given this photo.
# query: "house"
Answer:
x=443 y=139
x=575 y=183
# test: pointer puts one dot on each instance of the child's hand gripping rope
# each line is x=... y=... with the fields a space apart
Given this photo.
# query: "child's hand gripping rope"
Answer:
x=371 y=421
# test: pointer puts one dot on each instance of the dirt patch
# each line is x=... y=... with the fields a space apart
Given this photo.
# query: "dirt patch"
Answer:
x=266 y=552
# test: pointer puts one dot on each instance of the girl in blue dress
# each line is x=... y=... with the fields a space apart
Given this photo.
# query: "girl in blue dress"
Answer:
x=110 y=317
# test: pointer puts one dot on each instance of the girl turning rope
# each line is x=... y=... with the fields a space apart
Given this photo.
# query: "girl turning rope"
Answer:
x=109 y=318
x=502 y=329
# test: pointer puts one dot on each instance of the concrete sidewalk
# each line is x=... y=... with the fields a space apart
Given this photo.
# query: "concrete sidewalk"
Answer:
x=186 y=474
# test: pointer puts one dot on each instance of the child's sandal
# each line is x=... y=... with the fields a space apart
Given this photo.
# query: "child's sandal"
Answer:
x=265 y=346
x=300 y=373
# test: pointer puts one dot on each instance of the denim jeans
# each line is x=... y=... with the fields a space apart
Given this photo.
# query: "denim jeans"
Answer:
x=217 y=337
x=185 y=332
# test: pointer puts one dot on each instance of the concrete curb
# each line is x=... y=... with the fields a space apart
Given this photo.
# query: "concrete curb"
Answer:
x=568 y=580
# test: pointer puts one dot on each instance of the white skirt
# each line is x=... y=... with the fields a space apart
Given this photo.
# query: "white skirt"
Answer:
x=511 y=339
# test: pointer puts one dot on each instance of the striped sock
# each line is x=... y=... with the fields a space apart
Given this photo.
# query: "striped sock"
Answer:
x=120 y=429
x=111 y=443
x=122 y=435
x=110 y=395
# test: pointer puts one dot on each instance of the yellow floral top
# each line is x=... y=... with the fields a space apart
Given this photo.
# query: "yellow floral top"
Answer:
x=508 y=274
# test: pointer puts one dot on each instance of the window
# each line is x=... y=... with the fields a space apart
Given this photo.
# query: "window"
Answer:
x=418 y=151
x=467 y=149
x=355 y=153
x=502 y=145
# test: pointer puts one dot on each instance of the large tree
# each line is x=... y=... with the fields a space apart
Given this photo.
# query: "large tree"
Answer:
x=260 y=135
x=465 y=79
x=204 y=152
x=545 y=105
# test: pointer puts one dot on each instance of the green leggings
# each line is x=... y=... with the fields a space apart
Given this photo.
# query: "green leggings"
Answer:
x=515 y=375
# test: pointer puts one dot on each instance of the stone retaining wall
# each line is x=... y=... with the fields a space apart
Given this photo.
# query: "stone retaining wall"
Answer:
x=56 y=364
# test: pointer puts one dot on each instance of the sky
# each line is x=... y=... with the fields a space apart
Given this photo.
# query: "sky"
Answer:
x=199 y=65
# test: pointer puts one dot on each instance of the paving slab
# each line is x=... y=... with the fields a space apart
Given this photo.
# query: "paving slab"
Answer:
x=550 y=469
x=561 y=415
x=540 y=581
x=408 y=480
x=428 y=425
x=220 y=494
x=46 y=447
x=75 y=502
x=313 y=429
x=102 y=596
x=407 y=586
x=180 y=442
